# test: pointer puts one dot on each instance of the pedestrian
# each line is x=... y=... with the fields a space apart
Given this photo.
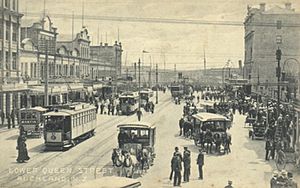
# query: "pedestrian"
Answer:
x=112 y=109
x=200 y=163
x=172 y=171
x=273 y=148
x=139 y=114
x=181 y=122
x=176 y=167
x=12 y=116
x=118 y=108
x=8 y=121
x=2 y=116
x=267 y=148
x=101 y=108
x=97 y=106
x=229 y=184
x=108 y=108
x=22 y=149
x=186 y=164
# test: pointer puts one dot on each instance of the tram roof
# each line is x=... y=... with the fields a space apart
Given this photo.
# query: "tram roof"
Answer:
x=204 y=116
x=66 y=112
x=138 y=124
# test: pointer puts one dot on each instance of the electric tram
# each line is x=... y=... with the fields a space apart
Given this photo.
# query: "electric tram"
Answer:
x=66 y=127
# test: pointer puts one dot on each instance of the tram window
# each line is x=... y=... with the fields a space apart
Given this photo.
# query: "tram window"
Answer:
x=23 y=115
x=144 y=133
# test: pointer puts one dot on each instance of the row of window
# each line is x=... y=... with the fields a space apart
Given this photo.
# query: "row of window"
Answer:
x=7 y=31
x=83 y=118
x=54 y=69
x=13 y=60
x=10 y=3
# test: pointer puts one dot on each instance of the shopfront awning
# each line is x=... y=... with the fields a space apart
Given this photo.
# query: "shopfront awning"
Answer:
x=15 y=87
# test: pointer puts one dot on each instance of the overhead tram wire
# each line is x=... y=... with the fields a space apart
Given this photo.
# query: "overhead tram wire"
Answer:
x=161 y=20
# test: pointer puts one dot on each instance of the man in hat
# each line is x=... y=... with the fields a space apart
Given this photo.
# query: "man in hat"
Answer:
x=176 y=152
x=200 y=163
x=176 y=167
x=186 y=164
x=229 y=184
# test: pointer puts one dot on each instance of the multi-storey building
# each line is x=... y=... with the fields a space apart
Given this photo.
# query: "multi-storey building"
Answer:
x=11 y=86
x=106 y=60
x=75 y=56
x=266 y=30
x=36 y=40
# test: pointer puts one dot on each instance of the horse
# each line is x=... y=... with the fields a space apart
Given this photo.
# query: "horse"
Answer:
x=129 y=165
x=118 y=160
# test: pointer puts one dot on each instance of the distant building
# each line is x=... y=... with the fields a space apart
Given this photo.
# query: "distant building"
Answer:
x=106 y=60
x=266 y=30
x=11 y=86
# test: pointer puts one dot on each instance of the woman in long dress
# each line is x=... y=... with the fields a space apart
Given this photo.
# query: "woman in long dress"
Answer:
x=22 y=149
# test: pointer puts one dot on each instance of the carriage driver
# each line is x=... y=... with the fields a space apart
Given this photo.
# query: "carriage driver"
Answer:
x=122 y=137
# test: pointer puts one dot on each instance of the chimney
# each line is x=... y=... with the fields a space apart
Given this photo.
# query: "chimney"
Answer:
x=262 y=7
x=288 y=6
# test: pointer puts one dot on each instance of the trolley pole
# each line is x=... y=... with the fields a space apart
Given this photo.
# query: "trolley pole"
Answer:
x=139 y=79
x=156 y=84
x=46 y=98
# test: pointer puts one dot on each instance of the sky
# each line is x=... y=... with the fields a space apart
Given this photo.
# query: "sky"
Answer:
x=180 y=44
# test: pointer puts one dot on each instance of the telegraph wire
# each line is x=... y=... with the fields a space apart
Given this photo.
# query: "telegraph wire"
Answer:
x=162 y=20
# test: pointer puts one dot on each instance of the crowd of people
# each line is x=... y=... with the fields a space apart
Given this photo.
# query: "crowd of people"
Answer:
x=10 y=119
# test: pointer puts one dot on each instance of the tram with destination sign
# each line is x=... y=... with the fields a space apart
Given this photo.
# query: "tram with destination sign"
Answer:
x=32 y=121
x=66 y=127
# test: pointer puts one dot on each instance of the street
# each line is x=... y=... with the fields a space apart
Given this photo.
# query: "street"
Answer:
x=245 y=165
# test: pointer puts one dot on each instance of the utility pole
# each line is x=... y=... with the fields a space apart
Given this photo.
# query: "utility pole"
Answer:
x=175 y=72
x=46 y=98
x=134 y=71
x=204 y=62
x=139 y=67
x=156 y=84
x=150 y=72
x=278 y=57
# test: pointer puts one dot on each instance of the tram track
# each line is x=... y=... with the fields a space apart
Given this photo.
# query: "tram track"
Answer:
x=102 y=148
x=102 y=152
x=44 y=162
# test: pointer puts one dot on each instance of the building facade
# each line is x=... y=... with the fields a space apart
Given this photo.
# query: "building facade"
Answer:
x=73 y=57
x=11 y=86
x=37 y=40
x=106 y=60
x=266 y=30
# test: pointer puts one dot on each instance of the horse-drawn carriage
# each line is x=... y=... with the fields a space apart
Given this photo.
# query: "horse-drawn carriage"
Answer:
x=210 y=129
x=136 y=148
